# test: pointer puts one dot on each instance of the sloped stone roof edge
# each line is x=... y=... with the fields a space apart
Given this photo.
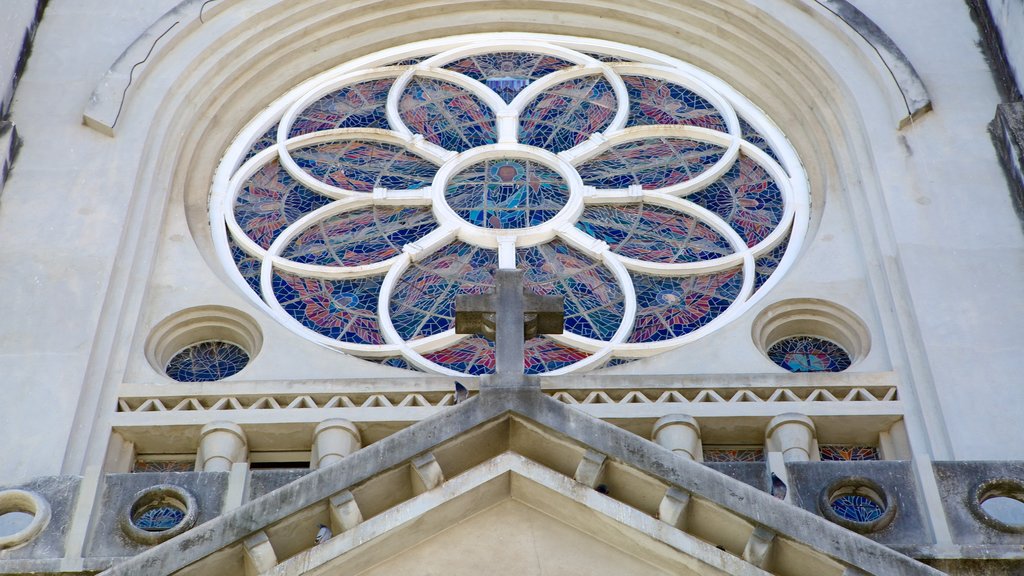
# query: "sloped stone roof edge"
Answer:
x=756 y=506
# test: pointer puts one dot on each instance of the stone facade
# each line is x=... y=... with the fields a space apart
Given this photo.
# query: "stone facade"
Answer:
x=120 y=115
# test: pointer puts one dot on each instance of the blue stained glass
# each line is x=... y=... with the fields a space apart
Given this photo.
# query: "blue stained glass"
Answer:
x=360 y=237
x=653 y=233
x=423 y=302
x=248 y=266
x=765 y=265
x=447 y=115
x=656 y=101
x=746 y=197
x=474 y=355
x=270 y=200
x=670 y=307
x=618 y=362
x=650 y=163
x=361 y=105
x=395 y=362
x=158 y=518
x=568 y=113
x=361 y=166
x=809 y=354
x=206 y=362
x=507 y=73
x=345 y=310
x=593 y=300
x=507 y=193
x=750 y=134
x=856 y=508
x=268 y=139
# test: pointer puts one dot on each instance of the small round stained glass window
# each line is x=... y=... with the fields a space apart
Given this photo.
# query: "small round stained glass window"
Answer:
x=158 y=517
x=207 y=361
x=857 y=508
x=657 y=201
x=809 y=354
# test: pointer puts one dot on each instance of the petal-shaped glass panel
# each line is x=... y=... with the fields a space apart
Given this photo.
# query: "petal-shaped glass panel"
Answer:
x=248 y=266
x=653 y=233
x=362 y=105
x=423 y=301
x=651 y=163
x=394 y=362
x=669 y=307
x=568 y=113
x=361 y=237
x=475 y=356
x=268 y=139
x=656 y=101
x=361 y=166
x=447 y=115
x=507 y=193
x=750 y=134
x=270 y=200
x=507 y=73
x=345 y=310
x=593 y=299
x=746 y=197
x=766 y=264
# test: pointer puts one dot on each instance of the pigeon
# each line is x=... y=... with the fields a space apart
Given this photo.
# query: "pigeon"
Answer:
x=779 y=488
x=461 y=393
x=323 y=535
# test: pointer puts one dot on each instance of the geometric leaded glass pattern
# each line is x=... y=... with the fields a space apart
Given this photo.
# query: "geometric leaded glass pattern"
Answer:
x=844 y=452
x=158 y=518
x=656 y=200
x=809 y=354
x=857 y=508
x=143 y=465
x=733 y=455
x=206 y=362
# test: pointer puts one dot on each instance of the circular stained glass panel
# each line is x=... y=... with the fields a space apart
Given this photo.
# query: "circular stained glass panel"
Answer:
x=207 y=361
x=658 y=202
x=158 y=518
x=809 y=354
x=857 y=508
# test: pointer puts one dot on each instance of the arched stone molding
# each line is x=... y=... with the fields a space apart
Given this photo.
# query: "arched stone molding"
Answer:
x=109 y=97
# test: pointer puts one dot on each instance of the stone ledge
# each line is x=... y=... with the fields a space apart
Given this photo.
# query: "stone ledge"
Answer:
x=1008 y=136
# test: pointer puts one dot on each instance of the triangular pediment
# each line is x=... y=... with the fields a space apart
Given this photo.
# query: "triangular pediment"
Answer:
x=610 y=487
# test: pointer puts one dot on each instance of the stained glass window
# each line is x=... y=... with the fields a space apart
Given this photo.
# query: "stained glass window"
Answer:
x=857 y=508
x=206 y=362
x=733 y=454
x=841 y=452
x=622 y=183
x=144 y=465
x=158 y=518
x=809 y=354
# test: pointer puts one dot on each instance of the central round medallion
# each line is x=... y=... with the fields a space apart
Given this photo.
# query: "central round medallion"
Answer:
x=506 y=193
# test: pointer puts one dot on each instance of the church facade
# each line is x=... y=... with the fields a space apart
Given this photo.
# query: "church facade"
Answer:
x=685 y=287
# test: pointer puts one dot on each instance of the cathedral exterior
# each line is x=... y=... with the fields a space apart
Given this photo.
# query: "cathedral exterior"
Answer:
x=406 y=287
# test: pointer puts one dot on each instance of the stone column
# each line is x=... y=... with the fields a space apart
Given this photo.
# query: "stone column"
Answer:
x=333 y=440
x=221 y=444
x=791 y=434
x=679 y=433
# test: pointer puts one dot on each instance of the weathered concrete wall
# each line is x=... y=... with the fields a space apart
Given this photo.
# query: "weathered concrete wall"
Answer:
x=1008 y=16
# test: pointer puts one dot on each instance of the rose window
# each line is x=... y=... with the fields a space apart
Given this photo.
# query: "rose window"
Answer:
x=655 y=199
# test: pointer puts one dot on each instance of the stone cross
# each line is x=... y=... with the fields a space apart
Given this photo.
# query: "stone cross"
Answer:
x=510 y=316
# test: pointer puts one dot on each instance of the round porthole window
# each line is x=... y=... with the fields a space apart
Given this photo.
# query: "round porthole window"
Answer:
x=207 y=361
x=659 y=202
x=159 y=513
x=999 y=503
x=858 y=504
x=809 y=354
x=23 y=515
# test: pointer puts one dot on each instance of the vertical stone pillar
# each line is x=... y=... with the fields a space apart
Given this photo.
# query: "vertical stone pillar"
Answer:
x=221 y=444
x=333 y=440
x=793 y=435
x=679 y=433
